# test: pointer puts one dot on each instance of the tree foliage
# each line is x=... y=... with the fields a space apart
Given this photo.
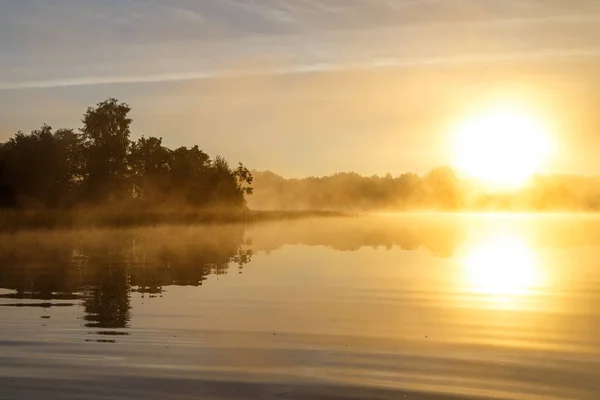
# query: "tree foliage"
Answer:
x=439 y=189
x=101 y=165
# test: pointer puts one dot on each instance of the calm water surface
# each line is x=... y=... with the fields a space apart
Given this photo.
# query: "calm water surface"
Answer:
x=380 y=307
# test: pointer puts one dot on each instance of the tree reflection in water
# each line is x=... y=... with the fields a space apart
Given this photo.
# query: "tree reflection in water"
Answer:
x=101 y=269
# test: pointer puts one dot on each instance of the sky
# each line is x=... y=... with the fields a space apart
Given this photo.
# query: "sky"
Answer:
x=307 y=87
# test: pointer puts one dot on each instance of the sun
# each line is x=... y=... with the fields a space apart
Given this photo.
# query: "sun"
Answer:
x=501 y=148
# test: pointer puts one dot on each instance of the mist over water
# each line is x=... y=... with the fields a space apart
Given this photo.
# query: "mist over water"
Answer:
x=385 y=306
x=299 y=199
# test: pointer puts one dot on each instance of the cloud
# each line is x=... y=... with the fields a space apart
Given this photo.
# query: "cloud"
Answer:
x=84 y=42
x=381 y=63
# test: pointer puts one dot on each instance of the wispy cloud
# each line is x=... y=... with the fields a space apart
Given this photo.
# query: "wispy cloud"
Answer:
x=461 y=60
x=85 y=42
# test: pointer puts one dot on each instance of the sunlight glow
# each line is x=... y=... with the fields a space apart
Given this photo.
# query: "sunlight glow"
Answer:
x=501 y=266
x=501 y=148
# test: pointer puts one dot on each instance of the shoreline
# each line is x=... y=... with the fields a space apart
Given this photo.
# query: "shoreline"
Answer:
x=18 y=220
x=15 y=220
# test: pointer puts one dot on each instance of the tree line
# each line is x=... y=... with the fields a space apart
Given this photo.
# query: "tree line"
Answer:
x=351 y=191
x=439 y=189
x=99 y=164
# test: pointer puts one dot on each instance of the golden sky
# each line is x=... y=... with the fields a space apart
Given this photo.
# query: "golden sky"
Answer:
x=308 y=87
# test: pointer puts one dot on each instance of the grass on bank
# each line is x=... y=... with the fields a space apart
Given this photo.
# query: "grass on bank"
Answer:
x=11 y=220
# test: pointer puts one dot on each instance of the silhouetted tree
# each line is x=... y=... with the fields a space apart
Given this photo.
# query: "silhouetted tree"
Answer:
x=40 y=168
x=189 y=174
x=68 y=166
x=226 y=182
x=7 y=195
x=47 y=169
x=106 y=130
x=244 y=179
x=150 y=164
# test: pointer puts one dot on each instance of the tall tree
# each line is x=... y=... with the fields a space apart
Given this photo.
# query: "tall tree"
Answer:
x=106 y=131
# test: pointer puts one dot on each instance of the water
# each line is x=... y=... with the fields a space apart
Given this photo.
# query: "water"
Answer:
x=380 y=307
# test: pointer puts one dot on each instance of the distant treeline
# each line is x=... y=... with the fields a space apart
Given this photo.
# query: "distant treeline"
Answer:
x=440 y=189
x=100 y=165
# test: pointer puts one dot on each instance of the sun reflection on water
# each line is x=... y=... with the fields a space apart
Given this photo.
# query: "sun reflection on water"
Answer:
x=502 y=267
